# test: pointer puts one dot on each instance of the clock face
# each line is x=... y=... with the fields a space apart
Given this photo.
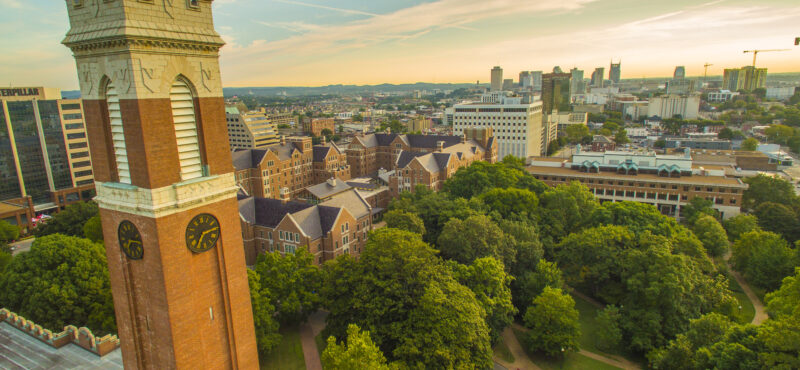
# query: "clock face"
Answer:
x=202 y=233
x=130 y=240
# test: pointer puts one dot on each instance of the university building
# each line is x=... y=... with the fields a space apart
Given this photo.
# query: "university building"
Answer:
x=44 y=154
x=314 y=126
x=250 y=130
x=668 y=182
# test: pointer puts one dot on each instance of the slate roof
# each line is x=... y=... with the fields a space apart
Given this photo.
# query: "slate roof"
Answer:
x=315 y=221
x=429 y=141
x=320 y=152
x=406 y=157
x=247 y=158
x=327 y=216
x=324 y=189
x=351 y=201
x=21 y=351
x=269 y=212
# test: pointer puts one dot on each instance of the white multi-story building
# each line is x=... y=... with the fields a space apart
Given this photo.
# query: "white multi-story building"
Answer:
x=721 y=96
x=780 y=93
x=517 y=126
x=251 y=130
x=669 y=106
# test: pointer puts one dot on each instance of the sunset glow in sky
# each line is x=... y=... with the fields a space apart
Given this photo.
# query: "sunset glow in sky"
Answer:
x=321 y=42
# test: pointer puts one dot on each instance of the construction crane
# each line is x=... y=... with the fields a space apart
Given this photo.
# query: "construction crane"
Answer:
x=755 y=53
x=705 y=71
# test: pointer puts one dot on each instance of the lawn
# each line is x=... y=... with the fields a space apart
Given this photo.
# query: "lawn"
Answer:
x=288 y=354
x=747 y=312
x=502 y=352
x=572 y=361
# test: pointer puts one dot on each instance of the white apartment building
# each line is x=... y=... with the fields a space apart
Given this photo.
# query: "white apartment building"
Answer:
x=780 y=93
x=721 y=96
x=517 y=126
x=251 y=130
x=669 y=106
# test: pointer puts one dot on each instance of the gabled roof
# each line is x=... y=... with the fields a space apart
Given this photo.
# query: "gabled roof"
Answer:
x=406 y=157
x=350 y=200
x=247 y=158
x=429 y=141
x=320 y=152
x=268 y=212
x=324 y=189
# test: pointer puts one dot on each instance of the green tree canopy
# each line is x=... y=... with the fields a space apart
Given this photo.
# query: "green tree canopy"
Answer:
x=70 y=221
x=473 y=238
x=779 y=219
x=786 y=300
x=531 y=284
x=61 y=281
x=402 y=220
x=565 y=209
x=764 y=258
x=576 y=133
x=93 y=229
x=711 y=234
x=553 y=323
x=698 y=207
x=750 y=144
x=266 y=326
x=293 y=283
x=486 y=277
x=435 y=209
x=763 y=188
x=8 y=232
x=409 y=301
x=511 y=203
x=359 y=352
x=740 y=224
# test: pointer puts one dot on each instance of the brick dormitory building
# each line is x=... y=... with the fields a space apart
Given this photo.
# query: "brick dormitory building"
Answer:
x=668 y=182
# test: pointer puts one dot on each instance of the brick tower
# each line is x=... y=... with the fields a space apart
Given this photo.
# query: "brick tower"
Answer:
x=150 y=80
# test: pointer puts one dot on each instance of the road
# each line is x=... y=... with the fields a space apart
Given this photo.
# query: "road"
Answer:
x=21 y=246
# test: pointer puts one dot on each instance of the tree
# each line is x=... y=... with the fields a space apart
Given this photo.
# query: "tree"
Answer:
x=435 y=209
x=266 y=326
x=621 y=137
x=399 y=219
x=750 y=144
x=486 y=277
x=532 y=283
x=326 y=132
x=711 y=234
x=473 y=238
x=359 y=352
x=293 y=283
x=415 y=310
x=786 y=300
x=779 y=219
x=575 y=133
x=61 y=281
x=764 y=258
x=553 y=323
x=565 y=209
x=763 y=188
x=8 y=232
x=740 y=224
x=511 y=203
x=93 y=229
x=779 y=133
x=609 y=332
x=70 y=221
x=725 y=134
x=698 y=207
x=522 y=238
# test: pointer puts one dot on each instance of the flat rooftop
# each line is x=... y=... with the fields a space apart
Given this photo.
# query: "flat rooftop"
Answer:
x=19 y=350
x=686 y=180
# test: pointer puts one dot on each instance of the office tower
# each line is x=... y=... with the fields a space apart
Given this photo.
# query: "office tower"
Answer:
x=525 y=80
x=680 y=86
x=577 y=85
x=672 y=105
x=680 y=73
x=508 y=84
x=251 y=130
x=598 y=76
x=517 y=126
x=615 y=72
x=746 y=78
x=557 y=69
x=555 y=92
x=155 y=115
x=44 y=153
x=536 y=78
x=497 y=78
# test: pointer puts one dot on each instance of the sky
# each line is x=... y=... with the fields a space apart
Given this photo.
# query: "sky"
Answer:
x=322 y=42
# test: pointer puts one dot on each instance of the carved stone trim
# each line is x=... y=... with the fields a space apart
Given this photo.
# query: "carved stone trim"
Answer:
x=127 y=43
x=167 y=200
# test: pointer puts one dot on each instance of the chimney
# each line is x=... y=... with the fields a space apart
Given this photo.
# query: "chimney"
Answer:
x=283 y=140
x=439 y=146
x=388 y=130
x=331 y=182
x=322 y=140
x=464 y=138
x=285 y=195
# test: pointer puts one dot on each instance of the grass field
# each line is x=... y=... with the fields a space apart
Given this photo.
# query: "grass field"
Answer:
x=502 y=352
x=748 y=311
x=572 y=361
x=288 y=354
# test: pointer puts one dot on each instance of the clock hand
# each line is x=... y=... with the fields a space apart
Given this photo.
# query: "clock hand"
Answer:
x=203 y=235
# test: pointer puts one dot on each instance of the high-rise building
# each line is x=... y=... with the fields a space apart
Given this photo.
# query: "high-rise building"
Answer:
x=525 y=80
x=680 y=86
x=555 y=92
x=155 y=115
x=497 y=78
x=680 y=73
x=598 y=76
x=508 y=84
x=252 y=130
x=746 y=78
x=615 y=72
x=577 y=85
x=536 y=78
x=672 y=105
x=517 y=126
x=44 y=153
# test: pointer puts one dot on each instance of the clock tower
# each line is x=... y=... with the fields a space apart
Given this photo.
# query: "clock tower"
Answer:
x=150 y=83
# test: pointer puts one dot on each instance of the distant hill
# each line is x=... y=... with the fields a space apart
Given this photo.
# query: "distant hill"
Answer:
x=338 y=89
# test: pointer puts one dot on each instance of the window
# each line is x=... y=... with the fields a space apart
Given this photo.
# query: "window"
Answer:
x=83 y=173
x=72 y=116
x=297 y=237
x=79 y=155
x=117 y=134
x=280 y=235
x=289 y=248
x=81 y=164
x=186 y=130
x=73 y=126
x=78 y=135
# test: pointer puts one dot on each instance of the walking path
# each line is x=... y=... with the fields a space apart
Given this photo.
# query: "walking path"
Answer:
x=308 y=331
x=521 y=360
x=761 y=313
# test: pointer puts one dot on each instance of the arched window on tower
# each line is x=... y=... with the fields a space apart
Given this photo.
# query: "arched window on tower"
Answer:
x=117 y=134
x=183 y=116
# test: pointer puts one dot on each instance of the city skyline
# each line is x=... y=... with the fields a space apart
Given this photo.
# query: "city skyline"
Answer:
x=305 y=43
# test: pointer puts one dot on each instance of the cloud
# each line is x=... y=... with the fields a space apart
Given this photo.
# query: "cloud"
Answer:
x=296 y=27
x=14 y=4
x=341 y=10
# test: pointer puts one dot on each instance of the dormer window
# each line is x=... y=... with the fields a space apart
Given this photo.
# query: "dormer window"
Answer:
x=193 y=4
